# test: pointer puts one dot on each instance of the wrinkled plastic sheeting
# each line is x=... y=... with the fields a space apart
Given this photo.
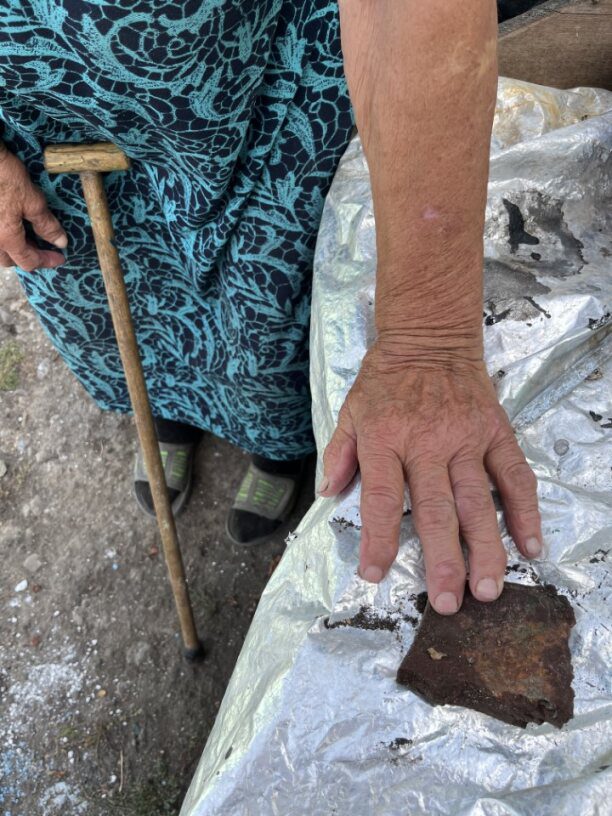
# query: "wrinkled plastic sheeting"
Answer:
x=313 y=722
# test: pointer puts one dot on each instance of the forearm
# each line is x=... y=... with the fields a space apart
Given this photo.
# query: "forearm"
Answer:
x=422 y=79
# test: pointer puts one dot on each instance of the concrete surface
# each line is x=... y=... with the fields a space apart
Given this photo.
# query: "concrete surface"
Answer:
x=99 y=713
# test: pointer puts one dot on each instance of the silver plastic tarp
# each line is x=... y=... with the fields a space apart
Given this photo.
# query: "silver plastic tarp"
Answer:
x=313 y=722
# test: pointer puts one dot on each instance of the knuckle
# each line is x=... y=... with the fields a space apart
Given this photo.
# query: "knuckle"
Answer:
x=434 y=512
x=37 y=208
x=448 y=569
x=516 y=475
x=11 y=231
x=525 y=517
x=472 y=501
x=35 y=196
x=26 y=257
x=381 y=503
x=331 y=450
x=478 y=531
x=375 y=431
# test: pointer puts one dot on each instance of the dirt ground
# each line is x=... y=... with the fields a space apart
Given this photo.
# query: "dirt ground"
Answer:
x=99 y=712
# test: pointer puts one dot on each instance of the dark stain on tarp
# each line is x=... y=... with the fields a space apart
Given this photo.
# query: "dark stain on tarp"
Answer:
x=399 y=742
x=597 y=323
x=516 y=568
x=537 y=306
x=561 y=254
x=364 y=619
x=420 y=602
x=506 y=282
x=516 y=227
x=345 y=524
x=493 y=318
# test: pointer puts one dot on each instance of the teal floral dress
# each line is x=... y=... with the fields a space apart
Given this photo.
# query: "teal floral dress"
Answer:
x=235 y=115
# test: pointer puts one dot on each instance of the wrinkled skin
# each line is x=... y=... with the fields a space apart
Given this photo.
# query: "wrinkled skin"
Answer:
x=440 y=428
x=20 y=199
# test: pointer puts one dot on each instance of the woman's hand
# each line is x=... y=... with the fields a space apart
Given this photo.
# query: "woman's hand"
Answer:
x=20 y=199
x=439 y=427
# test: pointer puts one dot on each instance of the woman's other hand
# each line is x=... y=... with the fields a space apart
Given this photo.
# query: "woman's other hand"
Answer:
x=21 y=200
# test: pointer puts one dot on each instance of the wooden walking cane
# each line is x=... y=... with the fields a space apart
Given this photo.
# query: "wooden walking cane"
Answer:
x=90 y=161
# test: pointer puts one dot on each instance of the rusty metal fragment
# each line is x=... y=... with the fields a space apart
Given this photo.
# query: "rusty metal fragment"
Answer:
x=509 y=658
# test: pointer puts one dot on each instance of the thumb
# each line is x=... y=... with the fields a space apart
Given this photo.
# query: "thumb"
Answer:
x=340 y=458
x=45 y=224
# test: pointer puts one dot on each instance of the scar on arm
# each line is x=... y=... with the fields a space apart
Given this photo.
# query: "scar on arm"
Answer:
x=478 y=62
x=429 y=214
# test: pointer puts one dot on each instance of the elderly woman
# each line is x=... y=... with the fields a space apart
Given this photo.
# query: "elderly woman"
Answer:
x=235 y=115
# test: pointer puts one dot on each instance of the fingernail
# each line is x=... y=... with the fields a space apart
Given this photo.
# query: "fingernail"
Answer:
x=533 y=547
x=372 y=574
x=323 y=485
x=62 y=242
x=446 y=603
x=487 y=589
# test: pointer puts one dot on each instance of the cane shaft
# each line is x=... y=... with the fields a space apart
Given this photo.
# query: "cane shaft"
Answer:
x=97 y=206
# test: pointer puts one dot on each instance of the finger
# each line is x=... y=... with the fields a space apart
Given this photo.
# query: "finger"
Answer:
x=435 y=520
x=5 y=260
x=23 y=253
x=478 y=526
x=14 y=243
x=340 y=457
x=45 y=224
x=48 y=259
x=517 y=486
x=382 y=505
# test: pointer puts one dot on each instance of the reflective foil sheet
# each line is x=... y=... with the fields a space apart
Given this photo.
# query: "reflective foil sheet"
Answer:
x=313 y=722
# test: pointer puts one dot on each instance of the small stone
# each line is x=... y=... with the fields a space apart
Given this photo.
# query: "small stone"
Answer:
x=35 y=641
x=32 y=508
x=435 y=654
x=42 y=369
x=561 y=447
x=21 y=586
x=3 y=468
x=36 y=587
x=101 y=693
x=9 y=535
x=32 y=563
x=138 y=653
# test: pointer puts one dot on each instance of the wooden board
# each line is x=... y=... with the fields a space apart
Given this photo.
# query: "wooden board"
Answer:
x=561 y=43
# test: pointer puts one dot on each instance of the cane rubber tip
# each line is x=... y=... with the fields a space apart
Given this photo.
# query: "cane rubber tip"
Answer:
x=195 y=655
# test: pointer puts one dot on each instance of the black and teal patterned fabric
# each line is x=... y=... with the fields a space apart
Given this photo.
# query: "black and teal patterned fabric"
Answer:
x=235 y=115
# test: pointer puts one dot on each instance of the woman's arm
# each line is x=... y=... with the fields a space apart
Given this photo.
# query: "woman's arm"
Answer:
x=422 y=78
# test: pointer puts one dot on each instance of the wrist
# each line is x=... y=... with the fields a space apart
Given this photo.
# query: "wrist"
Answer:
x=428 y=347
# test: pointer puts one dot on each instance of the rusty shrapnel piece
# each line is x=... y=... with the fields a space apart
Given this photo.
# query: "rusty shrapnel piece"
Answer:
x=509 y=658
